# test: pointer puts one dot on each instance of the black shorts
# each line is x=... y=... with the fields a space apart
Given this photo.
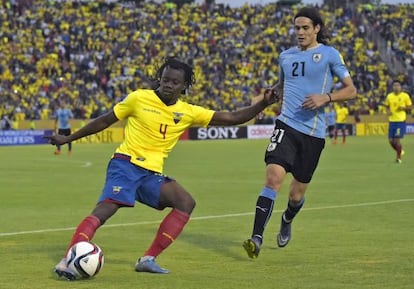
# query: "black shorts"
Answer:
x=64 y=131
x=297 y=152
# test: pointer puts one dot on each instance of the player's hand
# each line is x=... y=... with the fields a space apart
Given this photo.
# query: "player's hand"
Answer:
x=57 y=139
x=273 y=94
x=314 y=101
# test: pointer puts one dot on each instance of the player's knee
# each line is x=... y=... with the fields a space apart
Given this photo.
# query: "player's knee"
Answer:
x=103 y=211
x=274 y=182
x=297 y=192
x=190 y=204
x=186 y=204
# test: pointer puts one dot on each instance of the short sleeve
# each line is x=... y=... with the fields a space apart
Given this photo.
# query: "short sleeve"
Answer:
x=201 y=115
x=125 y=108
x=338 y=65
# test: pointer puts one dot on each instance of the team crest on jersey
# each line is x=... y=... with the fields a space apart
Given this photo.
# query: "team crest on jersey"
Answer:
x=116 y=189
x=177 y=116
x=316 y=57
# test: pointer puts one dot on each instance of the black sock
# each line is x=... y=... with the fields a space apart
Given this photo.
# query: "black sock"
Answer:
x=292 y=209
x=264 y=209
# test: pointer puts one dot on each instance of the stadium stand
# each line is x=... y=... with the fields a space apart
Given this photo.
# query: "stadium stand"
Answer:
x=93 y=53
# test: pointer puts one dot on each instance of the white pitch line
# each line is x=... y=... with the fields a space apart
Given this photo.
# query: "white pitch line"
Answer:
x=211 y=217
x=87 y=164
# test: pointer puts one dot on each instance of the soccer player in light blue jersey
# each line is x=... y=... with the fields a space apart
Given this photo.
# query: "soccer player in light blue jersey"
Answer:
x=62 y=116
x=306 y=75
x=330 y=116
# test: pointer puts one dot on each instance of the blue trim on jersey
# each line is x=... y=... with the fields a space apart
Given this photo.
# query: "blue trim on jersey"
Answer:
x=330 y=118
x=268 y=193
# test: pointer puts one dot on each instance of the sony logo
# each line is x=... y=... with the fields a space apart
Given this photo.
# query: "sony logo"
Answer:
x=217 y=133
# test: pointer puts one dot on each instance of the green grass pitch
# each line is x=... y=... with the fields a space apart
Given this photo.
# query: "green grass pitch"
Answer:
x=356 y=229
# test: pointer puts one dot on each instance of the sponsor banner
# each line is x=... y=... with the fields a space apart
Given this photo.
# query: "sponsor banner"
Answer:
x=217 y=132
x=265 y=131
x=379 y=128
x=372 y=128
x=107 y=136
x=23 y=137
x=185 y=135
x=260 y=131
x=410 y=128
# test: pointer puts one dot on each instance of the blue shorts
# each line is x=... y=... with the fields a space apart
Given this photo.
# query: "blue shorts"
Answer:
x=396 y=129
x=340 y=126
x=126 y=183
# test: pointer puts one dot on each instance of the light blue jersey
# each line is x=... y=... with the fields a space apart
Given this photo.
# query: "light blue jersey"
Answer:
x=330 y=117
x=304 y=73
x=63 y=115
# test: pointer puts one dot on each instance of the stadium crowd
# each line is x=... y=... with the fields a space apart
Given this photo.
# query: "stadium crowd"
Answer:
x=91 y=54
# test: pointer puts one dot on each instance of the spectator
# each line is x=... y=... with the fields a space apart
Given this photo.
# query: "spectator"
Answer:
x=88 y=51
x=6 y=123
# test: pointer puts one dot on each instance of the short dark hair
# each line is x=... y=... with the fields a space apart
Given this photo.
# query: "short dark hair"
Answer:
x=315 y=16
x=175 y=63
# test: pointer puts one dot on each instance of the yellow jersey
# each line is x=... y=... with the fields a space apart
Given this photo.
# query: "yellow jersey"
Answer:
x=341 y=114
x=395 y=102
x=153 y=128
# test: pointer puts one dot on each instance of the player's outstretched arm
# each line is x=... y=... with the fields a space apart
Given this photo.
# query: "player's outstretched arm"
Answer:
x=270 y=96
x=96 y=125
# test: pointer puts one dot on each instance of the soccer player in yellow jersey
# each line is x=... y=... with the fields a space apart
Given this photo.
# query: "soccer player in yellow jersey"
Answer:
x=341 y=114
x=155 y=119
x=397 y=103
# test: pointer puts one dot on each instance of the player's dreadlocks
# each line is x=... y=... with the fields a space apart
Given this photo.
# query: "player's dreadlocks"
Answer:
x=315 y=16
x=174 y=63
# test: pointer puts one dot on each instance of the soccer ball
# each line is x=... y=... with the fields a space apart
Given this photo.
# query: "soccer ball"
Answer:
x=85 y=259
